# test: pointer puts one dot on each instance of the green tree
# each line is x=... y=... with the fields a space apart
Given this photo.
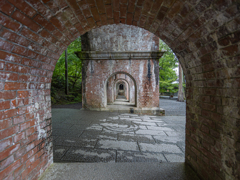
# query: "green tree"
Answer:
x=166 y=73
x=74 y=70
x=74 y=64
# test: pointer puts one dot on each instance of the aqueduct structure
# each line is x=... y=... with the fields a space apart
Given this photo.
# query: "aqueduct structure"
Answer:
x=112 y=50
x=204 y=34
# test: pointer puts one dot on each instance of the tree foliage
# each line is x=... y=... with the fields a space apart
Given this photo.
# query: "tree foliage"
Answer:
x=166 y=73
x=74 y=71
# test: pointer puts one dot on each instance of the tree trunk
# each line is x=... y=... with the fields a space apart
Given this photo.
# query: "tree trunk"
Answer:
x=66 y=72
x=180 y=89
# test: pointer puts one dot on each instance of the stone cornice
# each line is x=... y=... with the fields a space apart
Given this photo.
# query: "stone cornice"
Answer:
x=122 y=55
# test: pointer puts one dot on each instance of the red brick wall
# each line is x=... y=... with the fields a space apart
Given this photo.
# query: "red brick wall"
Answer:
x=203 y=34
x=95 y=96
x=120 y=38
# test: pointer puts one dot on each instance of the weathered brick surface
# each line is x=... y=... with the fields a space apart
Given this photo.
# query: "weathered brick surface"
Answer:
x=95 y=82
x=113 y=86
x=203 y=34
x=97 y=74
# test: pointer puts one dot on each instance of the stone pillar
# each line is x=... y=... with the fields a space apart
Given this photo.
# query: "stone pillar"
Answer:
x=110 y=91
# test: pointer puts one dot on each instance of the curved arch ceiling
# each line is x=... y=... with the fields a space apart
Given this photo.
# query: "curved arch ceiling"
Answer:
x=204 y=34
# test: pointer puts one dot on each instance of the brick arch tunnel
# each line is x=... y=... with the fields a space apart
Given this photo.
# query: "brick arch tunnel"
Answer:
x=134 y=83
x=204 y=35
x=126 y=87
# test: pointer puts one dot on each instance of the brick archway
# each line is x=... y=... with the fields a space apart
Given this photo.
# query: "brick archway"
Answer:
x=127 y=84
x=203 y=34
x=131 y=77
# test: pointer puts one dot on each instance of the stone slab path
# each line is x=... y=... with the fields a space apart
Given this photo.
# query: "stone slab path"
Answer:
x=119 y=171
x=91 y=136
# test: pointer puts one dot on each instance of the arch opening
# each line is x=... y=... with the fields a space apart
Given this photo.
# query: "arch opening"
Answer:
x=121 y=87
x=204 y=35
x=126 y=96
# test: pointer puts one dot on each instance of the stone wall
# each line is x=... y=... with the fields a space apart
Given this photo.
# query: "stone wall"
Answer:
x=122 y=37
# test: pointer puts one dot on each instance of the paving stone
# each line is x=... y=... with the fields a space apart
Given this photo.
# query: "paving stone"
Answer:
x=124 y=122
x=54 y=137
x=96 y=127
x=132 y=115
x=74 y=133
x=174 y=119
x=109 y=136
x=118 y=145
x=174 y=158
x=129 y=156
x=79 y=126
x=120 y=171
x=114 y=117
x=89 y=155
x=111 y=132
x=62 y=125
x=134 y=119
x=58 y=152
x=162 y=124
x=179 y=129
x=108 y=131
x=151 y=132
x=171 y=133
x=141 y=127
x=123 y=116
x=114 y=126
x=153 y=121
x=145 y=123
x=173 y=107
x=181 y=146
x=167 y=139
x=60 y=132
x=136 y=138
x=155 y=128
x=72 y=141
x=90 y=134
x=160 y=148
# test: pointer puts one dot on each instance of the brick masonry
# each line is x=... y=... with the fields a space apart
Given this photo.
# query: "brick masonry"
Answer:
x=113 y=86
x=205 y=36
x=97 y=73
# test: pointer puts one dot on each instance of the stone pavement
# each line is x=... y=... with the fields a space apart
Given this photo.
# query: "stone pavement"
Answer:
x=173 y=107
x=119 y=171
x=90 y=136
